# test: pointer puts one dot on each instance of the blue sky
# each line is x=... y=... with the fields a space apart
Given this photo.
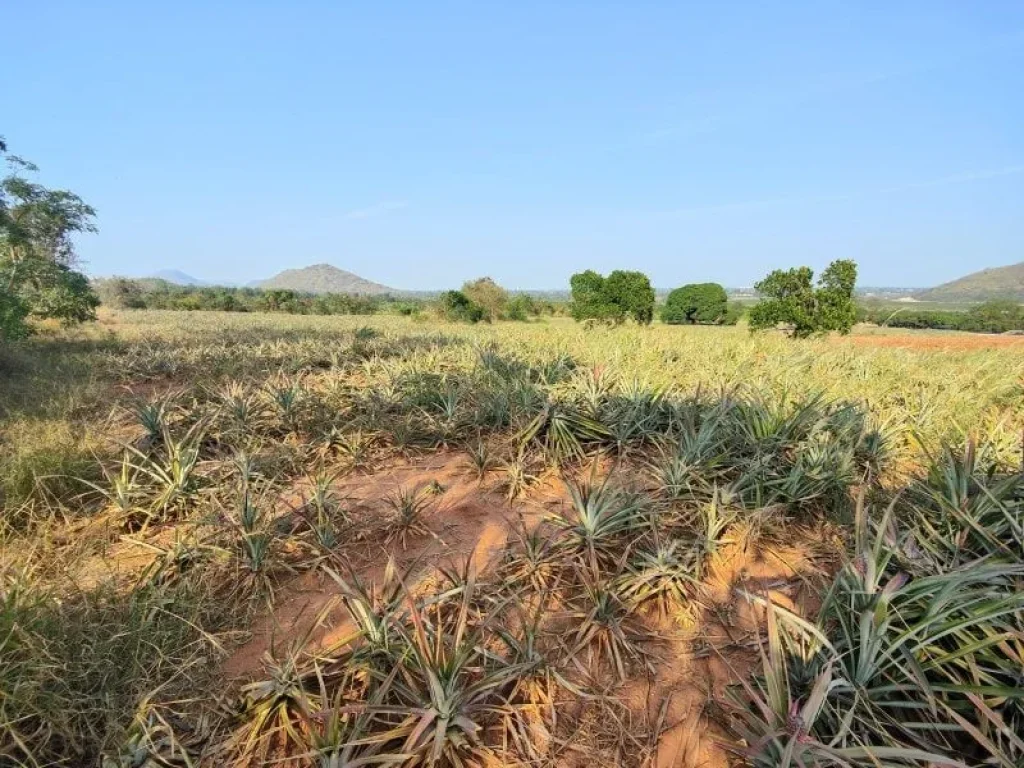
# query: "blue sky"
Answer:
x=421 y=144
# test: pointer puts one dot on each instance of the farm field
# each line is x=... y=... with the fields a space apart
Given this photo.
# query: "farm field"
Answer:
x=252 y=539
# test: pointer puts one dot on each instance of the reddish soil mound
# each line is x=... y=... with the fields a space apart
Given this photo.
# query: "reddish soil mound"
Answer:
x=694 y=658
x=466 y=520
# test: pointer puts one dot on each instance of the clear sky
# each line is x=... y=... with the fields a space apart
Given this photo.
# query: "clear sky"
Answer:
x=420 y=144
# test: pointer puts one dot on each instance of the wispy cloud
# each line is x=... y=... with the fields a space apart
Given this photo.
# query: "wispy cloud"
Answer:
x=965 y=177
x=376 y=210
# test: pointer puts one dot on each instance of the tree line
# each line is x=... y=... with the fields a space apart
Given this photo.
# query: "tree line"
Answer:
x=478 y=300
x=789 y=298
x=124 y=293
x=996 y=316
x=39 y=280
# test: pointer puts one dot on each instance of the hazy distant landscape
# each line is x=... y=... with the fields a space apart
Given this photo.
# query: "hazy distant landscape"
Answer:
x=992 y=283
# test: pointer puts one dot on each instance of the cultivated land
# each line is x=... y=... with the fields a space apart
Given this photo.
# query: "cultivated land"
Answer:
x=340 y=541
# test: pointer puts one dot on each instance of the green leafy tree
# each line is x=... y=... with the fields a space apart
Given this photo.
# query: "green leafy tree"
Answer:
x=789 y=297
x=488 y=295
x=836 y=310
x=590 y=298
x=455 y=305
x=696 y=303
x=633 y=294
x=622 y=294
x=13 y=312
x=37 y=253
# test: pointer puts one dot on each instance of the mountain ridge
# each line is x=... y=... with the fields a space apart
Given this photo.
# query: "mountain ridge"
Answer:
x=324 y=278
x=177 y=277
x=992 y=283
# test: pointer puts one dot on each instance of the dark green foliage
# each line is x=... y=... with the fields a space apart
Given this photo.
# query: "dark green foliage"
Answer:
x=455 y=305
x=622 y=295
x=633 y=293
x=788 y=297
x=696 y=303
x=13 y=312
x=834 y=297
x=996 y=316
x=590 y=299
x=37 y=253
x=61 y=293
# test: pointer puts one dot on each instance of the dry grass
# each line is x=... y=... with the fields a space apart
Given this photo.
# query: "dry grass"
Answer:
x=169 y=479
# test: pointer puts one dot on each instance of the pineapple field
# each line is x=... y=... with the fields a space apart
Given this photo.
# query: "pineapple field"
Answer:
x=256 y=539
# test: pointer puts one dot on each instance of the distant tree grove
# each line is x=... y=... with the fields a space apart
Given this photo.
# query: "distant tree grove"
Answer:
x=995 y=316
x=123 y=293
x=479 y=300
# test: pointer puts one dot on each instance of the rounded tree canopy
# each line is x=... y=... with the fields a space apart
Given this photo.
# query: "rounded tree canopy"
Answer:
x=696 y=303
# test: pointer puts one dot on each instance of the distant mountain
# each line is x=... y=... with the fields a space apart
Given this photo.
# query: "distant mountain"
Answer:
x=995 y=283
x=324 y=278
x=177 y=277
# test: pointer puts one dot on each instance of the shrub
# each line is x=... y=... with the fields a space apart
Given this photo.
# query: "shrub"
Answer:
x=695 y=303
x=521 y=307
x=121 y=293
x=490 y=297
x=455 y=305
